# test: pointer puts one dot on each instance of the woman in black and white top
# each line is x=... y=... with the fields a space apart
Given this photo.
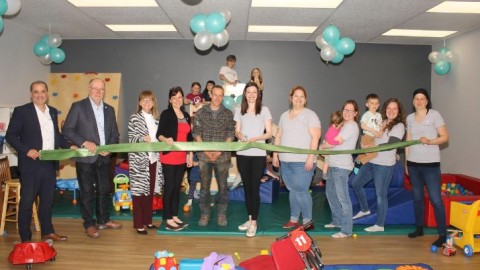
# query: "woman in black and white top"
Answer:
x=145 y=170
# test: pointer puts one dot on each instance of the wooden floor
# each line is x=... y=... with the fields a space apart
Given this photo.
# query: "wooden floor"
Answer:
x=125 y=249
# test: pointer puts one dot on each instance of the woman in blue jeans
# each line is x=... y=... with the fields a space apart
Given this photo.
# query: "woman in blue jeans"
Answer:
x=423 y=162
x=340 y=166
x=298 y=127
x=380 y=169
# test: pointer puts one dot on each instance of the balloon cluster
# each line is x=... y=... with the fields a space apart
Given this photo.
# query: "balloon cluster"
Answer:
x=230 y=102
x=441 y=60
x=8 y=7
x=333 y=47
x=210 y=29
x=47 y=49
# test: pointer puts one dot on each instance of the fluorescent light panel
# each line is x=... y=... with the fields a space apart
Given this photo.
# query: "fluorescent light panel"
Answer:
x=281 y=29
x=141 y=27
x=114 y=3
x=417 y=33
x=297 y=3
x=456 y=7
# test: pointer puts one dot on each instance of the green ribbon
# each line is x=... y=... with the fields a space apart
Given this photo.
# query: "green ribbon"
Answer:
x=62 y=154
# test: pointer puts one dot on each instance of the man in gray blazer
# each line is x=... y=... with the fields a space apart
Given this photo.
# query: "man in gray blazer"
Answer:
x=89 y=123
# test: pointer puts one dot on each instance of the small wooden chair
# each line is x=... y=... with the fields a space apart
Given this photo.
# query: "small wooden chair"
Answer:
x=11 y=198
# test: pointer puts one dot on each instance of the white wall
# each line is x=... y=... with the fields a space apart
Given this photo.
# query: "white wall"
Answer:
x=457 y=96
x=18 y=65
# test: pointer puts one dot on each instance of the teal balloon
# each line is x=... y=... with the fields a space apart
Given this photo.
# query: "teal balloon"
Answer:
x=215 y=23
x=443 y=50
x=345 y=46
x=238 y=99
x=338 y=58
x=45 y=38
x=442 y=67
x=197 y=23
x=228 y=102
x=1 y=24
x=57 y=55
x=331 y=34
x=41 y=48
x=3 y=8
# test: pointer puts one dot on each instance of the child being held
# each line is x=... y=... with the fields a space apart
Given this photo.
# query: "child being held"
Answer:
x=331 y=137
x=269 y=171
x=370 y=122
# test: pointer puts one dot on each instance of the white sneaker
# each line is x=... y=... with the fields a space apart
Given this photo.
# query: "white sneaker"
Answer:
x=361 y=214
x=252 y=230
x=340 y=235
x=245 y=226
x=330 y=226
x=375 y=228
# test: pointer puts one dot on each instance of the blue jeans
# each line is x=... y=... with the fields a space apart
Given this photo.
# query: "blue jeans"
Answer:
x=430 y=177
x=381 y=176
x=339 y=199
x=221 y=175
x=298 y=180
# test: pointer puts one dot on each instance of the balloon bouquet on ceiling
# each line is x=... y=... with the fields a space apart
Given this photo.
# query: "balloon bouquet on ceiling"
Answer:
x=47 y=49
x=333 y=47
x=210 y=29
x=441 y=60
x=8 y=8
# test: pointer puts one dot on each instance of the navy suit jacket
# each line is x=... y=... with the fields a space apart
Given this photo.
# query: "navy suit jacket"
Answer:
x=80 y=126
x=24 y=133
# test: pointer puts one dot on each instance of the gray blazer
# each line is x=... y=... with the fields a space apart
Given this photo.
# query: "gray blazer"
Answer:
x=80 y=126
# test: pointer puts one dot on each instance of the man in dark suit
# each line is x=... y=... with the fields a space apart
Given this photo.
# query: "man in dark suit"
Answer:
x=91 y=122
x=34 y=127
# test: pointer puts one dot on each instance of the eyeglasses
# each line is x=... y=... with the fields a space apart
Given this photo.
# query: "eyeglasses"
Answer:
x=97 y=89
x=348 y=111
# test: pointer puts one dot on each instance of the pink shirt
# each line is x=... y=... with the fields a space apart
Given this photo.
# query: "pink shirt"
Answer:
x=332 y=132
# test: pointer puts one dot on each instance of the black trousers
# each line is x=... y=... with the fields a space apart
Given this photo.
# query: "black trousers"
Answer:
x=173 y=175
x=251 y=170
x=39 y=183
x=94 y=183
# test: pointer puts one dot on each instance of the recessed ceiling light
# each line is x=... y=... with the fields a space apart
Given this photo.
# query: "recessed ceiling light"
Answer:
x=297 y=3
x=281 y=29
x=114 y=3
x=141 y=27
x=417 y=33
x=456 y=7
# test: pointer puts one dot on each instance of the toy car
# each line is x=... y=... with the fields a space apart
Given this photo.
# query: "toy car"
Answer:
x=32 y=252
x=448 y=250
x=122 y=199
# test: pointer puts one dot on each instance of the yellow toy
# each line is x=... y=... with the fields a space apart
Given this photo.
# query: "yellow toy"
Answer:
x=122 y=199
x=465 y=217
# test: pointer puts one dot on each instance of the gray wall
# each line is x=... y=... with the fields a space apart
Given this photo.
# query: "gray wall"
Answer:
x=456 y=97
x=388 y=70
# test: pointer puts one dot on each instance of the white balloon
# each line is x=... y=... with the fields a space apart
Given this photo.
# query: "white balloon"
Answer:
x=45 y=59
x=328 y=53
x=320 y=42
x=221 y=39
x=203 y=40
x=434 y=57
x=54 y=40
x=226 y=14
x=449 y=57
x=13 y=7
